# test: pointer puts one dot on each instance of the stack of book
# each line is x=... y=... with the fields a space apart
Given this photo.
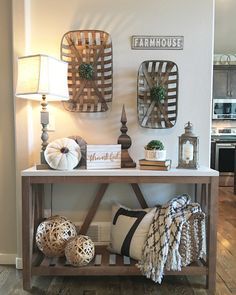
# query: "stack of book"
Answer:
x=155 y=165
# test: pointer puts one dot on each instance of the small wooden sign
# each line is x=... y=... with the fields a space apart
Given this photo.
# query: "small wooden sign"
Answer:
x=157 y=42
x=104 y=156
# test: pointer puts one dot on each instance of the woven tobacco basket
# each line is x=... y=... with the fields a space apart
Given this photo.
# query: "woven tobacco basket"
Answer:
x=89 y=57
x=158 y=110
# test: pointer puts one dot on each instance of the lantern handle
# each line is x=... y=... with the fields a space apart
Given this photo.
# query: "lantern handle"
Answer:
x=189 y=124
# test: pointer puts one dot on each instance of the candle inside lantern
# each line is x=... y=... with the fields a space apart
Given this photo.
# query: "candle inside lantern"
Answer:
x=187 y=152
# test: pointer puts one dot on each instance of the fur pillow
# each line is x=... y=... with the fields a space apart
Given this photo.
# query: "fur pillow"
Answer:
x=129 y=230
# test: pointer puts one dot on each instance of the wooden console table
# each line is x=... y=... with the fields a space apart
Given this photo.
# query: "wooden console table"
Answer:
x=204 y=179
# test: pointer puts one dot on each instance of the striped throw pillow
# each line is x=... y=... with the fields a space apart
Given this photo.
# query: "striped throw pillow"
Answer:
x=129 y=230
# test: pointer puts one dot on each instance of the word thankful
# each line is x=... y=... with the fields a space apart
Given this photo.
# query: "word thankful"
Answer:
x=158 y=42
x=104 y=157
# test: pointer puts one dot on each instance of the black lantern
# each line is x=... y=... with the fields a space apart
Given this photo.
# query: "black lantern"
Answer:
x=188 y=148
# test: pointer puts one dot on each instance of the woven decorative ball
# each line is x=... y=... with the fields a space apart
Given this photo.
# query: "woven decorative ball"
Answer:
x=53 y=234
x=80 y=250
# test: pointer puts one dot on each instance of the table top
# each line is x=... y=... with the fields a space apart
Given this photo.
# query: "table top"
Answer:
x=201 y=171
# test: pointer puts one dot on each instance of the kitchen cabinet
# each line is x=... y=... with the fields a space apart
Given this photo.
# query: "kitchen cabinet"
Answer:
x=213 y=154
x=224 y=81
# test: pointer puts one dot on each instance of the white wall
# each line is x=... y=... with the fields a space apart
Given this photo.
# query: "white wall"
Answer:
x=122 y=19
x=47 y=21
x=7 y=155
x=225 y=40
x=225 y=29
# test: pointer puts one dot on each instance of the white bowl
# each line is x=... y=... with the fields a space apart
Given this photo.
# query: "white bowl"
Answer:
x=155 y=155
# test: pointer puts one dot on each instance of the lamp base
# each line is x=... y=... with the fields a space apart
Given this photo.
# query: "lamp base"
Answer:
x=43 y=165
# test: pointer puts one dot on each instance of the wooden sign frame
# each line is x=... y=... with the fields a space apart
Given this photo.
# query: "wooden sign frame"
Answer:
x=145 y=42
x=103 y=156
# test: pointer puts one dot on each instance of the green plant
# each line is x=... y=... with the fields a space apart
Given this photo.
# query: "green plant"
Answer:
x=155 y=145
x=86 y=71
x=158 y=93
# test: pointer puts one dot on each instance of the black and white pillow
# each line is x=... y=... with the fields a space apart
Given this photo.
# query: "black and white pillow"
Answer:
x=129 y=230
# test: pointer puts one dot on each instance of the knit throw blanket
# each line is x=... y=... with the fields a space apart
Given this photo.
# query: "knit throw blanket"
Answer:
x=161 y=249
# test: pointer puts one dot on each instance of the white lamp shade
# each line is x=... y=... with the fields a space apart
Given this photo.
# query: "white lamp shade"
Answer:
x=42 y=74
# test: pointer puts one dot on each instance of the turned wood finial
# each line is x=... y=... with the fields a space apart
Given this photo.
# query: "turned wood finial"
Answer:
x=124 y=139
x=123 y=115
x=126 y=142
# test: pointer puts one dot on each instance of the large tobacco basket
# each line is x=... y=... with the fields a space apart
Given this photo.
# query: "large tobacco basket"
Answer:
x=89 y=57
x=157 y=94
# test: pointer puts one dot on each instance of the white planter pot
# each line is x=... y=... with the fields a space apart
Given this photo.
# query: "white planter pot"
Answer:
x=155 y=155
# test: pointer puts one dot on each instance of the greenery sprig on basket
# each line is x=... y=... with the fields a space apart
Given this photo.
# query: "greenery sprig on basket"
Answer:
x=155 y=145
x=158 y=93
x=86 y=71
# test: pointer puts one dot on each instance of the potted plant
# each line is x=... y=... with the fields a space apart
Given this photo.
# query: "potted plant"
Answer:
x=155 y=151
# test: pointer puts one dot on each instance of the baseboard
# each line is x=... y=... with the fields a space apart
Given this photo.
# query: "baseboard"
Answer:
x=7 y=258
x=19 y=263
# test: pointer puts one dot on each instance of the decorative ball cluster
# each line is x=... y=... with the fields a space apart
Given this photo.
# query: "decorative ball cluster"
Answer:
x=158 y=93
x=86 y=71
x=53 y=234
x=80 y=250
x=57 y=237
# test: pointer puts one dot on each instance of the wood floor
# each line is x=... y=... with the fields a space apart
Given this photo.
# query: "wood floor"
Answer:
x=11 y=283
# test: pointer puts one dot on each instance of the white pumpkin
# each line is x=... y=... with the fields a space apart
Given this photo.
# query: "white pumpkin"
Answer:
x=63 y=154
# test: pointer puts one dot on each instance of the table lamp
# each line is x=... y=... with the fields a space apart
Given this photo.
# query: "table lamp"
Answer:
x=43 y=78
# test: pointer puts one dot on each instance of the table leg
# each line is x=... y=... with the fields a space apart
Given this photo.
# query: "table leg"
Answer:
x=203 y=197
x=38 y=192
x=195 y=192
x=27 y=230
x=39 y=203
x=93 y=209
x=139 y=195
x=212 y=234
x=235 y=170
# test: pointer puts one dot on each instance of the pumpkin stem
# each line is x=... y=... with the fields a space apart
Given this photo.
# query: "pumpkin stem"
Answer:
x=64 y=150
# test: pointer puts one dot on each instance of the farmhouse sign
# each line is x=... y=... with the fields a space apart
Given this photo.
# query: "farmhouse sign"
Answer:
x=157 y=42
x=103 y=156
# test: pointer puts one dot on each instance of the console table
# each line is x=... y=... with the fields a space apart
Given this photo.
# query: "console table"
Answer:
x=205 y=181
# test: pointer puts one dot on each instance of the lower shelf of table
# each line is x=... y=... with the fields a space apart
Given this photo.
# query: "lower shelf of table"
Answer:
x=104 y=263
